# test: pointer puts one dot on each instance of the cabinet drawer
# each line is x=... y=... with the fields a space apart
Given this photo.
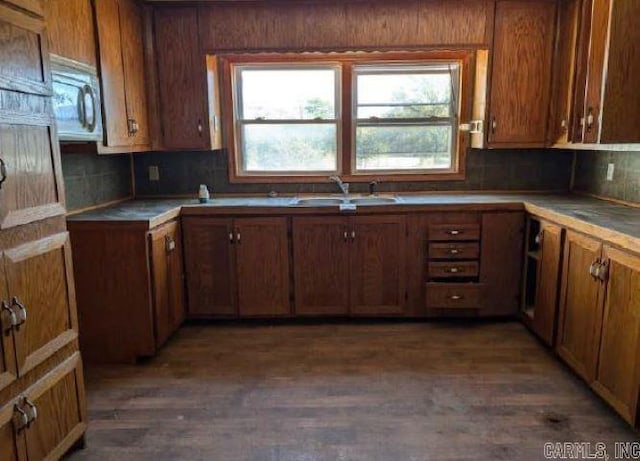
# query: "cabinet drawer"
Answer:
x=447 y=232
x=453 y=295
x=453 y=269
x=454 y=250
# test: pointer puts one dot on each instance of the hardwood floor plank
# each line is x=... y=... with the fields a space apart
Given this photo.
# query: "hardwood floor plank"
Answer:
x=353 y=391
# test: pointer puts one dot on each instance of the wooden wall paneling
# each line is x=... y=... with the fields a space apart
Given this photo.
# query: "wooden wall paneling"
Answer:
x=596 y=69
x=71 y=30
x=23 y=53
x=131 y=33
x=181 y=69
x=210 y=267
x=580 y=311
x=378 y=265
x=13 y=443
x=61 y=418
x=501 y=262
x=321 y=265
x=112 y=74
x=39 y=275
x=547 y=290
x=564 y=67
x=618 y=375
x=110 y=329
x=345 y=26
x=8 y=368
x=521 y=73
x=262 y=259
x=621 y=106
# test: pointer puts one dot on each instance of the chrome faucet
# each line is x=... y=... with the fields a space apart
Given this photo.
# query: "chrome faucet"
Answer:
x=344 y=186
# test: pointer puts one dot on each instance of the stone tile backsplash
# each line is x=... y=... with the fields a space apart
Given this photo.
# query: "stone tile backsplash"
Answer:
x=488 y=170
x=591 y=174
x=91 y=179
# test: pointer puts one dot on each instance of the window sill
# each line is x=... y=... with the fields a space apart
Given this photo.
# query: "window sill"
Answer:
x=359 y=178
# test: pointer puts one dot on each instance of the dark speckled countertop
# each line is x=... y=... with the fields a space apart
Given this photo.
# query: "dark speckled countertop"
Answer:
x=607 y=220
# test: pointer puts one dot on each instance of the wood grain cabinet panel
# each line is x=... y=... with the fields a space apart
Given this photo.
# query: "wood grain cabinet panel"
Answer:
x=210 y=267
x=181 y=70
x=168 y=280
x=13 y=445
x=8 y=368
x=580 y=308
x=39 y=278
x=71 y=30
x=378 y=264
x=618 y=374
x=521 y=73
x=262 y=258
x=321 y=265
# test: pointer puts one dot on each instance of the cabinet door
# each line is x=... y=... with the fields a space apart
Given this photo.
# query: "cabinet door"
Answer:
x=71 y=30
x=112 y=76
x=618 y=376
x=378 y=265
x=12 y=443
x=131 y=29
x=580 y=310
x=210 y=267
x=546 y=308
x=8 y=370
x=500 y=262
x=61 y=415
x=576 y=130
x=522 y=60
x=181 y=67
x=40 y=278
x=321 y=265
x=262 y=252
x=168 y=280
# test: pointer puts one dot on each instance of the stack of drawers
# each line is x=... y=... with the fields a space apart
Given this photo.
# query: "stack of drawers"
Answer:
x=453 y=266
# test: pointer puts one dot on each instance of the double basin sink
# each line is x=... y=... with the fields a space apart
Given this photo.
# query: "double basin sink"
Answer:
x=349 y=200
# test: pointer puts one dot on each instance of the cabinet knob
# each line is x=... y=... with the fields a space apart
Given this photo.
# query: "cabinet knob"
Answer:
x=454 y=251
x=31 y=411
x=453 y=270
x=132 y=126
x=169 y=244
x=21 y=315
x=345 y=236
x=494 y=125
x=200 y=128
x=454 y=232
x=455 y=297
x=230 y=237
x=20 y=418
x=13 y=318
x=590 y=119
x=353 y=235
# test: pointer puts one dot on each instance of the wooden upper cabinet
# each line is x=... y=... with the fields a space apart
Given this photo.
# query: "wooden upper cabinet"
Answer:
x=378 y=264
x=40 y=286
x=521 y=73
x=580 y=306
x=181 y=72
x=210 y=267
x=618 y=375
x=71 y=30
x=122 y=75
x=321 y=265
x=262 y=258
x=168 y=280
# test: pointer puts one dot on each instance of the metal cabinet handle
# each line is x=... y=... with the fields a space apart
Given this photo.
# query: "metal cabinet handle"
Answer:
x=238 y=236
x=345 y=236
x=455 y=297
x=133 y=126
x=20 y=418
x=3 y=172
x=590 y=119
x=454 y=251
x=22 y=311
x=90 y=125
x=169 y=244
x=539 y=238
x=353 y=235
x=453 y=270
x=200 y=127
x=231 y=237
x=31 y=411
x=603 y=271
x=13 y=318
x=454 y=232
x=494 y=125
x=80 y=106
x=594 y=268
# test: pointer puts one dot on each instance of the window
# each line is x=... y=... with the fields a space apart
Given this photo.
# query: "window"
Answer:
x=287 y=119
x=406 y=117
x=360 y=115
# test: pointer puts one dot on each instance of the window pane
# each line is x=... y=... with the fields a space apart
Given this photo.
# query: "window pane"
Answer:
x=404 y=95
x=286 y=94
x=403 y=147
x=290 y=148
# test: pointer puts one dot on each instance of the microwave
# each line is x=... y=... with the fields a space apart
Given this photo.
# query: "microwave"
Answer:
x=76 y=100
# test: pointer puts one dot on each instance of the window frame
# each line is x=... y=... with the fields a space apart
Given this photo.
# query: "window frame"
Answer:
x=345 y=112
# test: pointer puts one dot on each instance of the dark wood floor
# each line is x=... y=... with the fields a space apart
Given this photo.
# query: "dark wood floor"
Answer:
x=382 y=391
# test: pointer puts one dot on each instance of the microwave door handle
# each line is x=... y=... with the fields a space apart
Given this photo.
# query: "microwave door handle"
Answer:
x=90 y=126
x=82 y=111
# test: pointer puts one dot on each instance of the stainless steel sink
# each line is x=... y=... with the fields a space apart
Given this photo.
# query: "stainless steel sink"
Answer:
x=374 y=200
x=352 y=200
x=318 y=201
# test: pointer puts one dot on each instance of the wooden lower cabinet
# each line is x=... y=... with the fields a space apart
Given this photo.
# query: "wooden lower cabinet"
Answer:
x=617 y=378
x=378 y=265
x=129 y=287
x=321 y=265
x=262 y=263
x=12 y=443
x=580 y=306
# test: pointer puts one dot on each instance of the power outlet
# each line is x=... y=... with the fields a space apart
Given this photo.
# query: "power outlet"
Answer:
x=154 y=173
x=610 y=170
